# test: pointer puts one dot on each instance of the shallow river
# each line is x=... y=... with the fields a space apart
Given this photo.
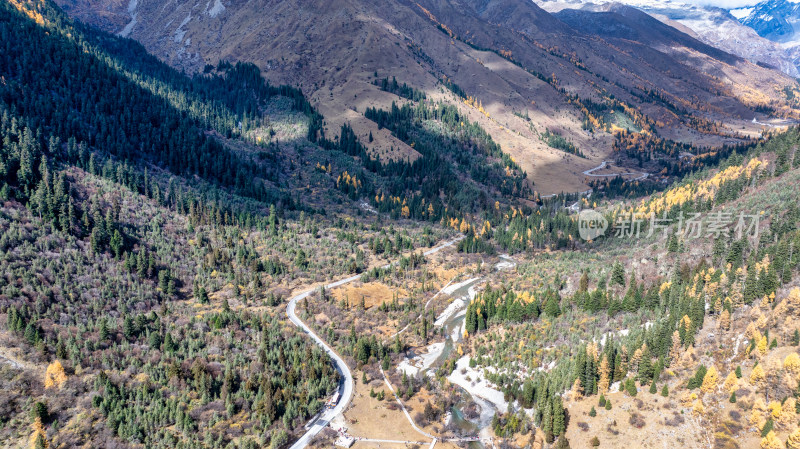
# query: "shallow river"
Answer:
x=436 y=354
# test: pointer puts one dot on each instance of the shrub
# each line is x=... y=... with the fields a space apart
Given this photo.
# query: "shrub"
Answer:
x=636 y=420
x=676 y=420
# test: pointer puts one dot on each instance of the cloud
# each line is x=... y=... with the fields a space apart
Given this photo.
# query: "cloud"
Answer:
x=727 y=4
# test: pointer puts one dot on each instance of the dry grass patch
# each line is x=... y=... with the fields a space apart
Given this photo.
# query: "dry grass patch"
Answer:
x=367 y=417
x=634 y=423
x=374 y=294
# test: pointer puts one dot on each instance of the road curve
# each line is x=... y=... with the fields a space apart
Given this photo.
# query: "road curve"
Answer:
x=591 y=171
x=346 y=378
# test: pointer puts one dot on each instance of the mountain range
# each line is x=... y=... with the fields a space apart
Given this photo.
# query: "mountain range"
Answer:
x=521 y=72
x=251 y=224
x=778 y=21
x=738 y=31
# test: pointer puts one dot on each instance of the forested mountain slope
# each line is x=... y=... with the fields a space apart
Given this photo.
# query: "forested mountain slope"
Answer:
x=152 y=225
x=689 y=328
x=509 y=65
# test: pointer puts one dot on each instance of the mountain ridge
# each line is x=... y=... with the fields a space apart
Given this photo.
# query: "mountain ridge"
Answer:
x=714 y=26
x=508 y=58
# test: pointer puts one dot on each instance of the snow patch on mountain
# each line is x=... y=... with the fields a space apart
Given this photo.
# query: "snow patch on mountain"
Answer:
x=217 y=9
x=712 y=25
x=741 y=13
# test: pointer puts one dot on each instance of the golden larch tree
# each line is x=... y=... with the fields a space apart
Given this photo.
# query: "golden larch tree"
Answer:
x=792 y=363
x=710 y=380
x=731 y=382
x=54 y=375
x=637 y=357
x=775 y=409
x=38 y=435
x=788 y=416
x=763 y=345
x=605 y=376
x=698 y=407
x=577 y=389
x=757 y=418
x=675 y=351
x=793 y=442
x=752 y=332
x=771 y=441
x=758 y=413
x=757 y=376
x=725 y=320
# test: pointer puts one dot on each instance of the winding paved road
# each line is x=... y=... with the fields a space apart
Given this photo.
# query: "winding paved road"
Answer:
x=590 y=172
x=346 y=378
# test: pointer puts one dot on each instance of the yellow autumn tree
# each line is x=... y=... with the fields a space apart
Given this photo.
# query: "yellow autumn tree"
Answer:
x=763 y=345
x=698 y=407
x=757 y=418
x=757 y=376
x=775 y=409
x=698 y=190
x=38 y=434
x=710 y=380
x=725 y=320
x=675 y=351
x=792 y=363
x=54 y=375
x=463 y=227
x=771 y=441
x=593 y=350
x=752 y=332
x=605 y=373
x=577 y=389
x=761 y=322
x=793 y=300
x=788 y=416
x=793 y=442
x=731 y=382
x=758 y=413
x=637 y=357
x=685 y=323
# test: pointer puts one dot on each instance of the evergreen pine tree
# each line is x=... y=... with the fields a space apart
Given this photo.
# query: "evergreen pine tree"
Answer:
x=559 y=420
x=618 y=274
